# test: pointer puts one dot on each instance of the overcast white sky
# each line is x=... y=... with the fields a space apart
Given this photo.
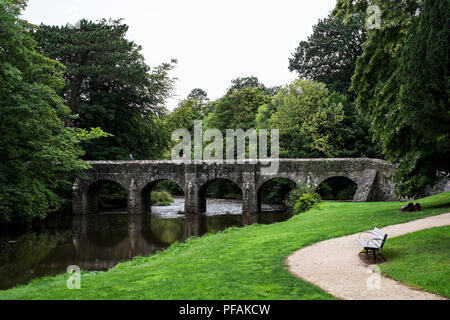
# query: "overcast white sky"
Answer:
x=213 y=41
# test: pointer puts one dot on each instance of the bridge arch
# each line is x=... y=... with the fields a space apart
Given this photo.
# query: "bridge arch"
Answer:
x=337 y=188
x=202 y=191
x=354 y=177
x=91 y=194
x=146 y=190
x=285 y=185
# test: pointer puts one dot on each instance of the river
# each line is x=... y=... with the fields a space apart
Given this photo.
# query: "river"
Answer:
x=101 y=241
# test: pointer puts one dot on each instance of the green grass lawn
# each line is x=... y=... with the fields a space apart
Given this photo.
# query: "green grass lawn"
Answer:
x=239 y=263
x=420 y=259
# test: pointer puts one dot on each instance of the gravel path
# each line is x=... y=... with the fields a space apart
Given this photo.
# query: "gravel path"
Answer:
x=334 y=265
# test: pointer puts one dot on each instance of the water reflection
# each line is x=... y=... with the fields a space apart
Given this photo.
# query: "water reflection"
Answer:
x=99 y=242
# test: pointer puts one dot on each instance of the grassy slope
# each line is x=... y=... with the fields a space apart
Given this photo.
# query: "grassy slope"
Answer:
x=246 y=263
x=420 y=259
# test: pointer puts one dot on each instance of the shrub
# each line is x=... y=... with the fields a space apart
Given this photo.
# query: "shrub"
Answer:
x=295 y=194
x=306 y=202
x=161 y=198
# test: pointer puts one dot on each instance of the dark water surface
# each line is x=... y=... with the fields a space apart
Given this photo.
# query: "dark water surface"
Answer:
x=99 y=242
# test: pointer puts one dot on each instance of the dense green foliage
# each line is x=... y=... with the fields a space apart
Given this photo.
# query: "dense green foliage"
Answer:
x=109 y=85
x=401 y=83
x=329 y=56
x=314 y=122
x=239 y=263
x=38 y=154
x=295 y=194
x=420 y=259
x=190 y=109
x=423 y=113
x=161 y=198
x=305 y=202
x=241 y=83
x=237 y=109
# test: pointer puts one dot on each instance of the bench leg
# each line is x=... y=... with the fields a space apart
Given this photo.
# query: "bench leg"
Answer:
x=367 y=252
x=374 y=256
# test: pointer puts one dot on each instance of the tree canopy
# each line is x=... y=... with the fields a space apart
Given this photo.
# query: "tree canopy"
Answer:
x=237 y=109
x=109 y=85
x=38 y=155
x=329 y=55
x=306 y=116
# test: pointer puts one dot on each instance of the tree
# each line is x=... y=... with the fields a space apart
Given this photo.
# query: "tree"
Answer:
x=250 y=82
x=237 y=109
x=421 y=142
x=306 y=115
x=200 y=102
x=329 y=55
x=198 y=94
x=184 y=115
x=38 y=155
x=352 y=137
x=401 y=82
x=109 y=85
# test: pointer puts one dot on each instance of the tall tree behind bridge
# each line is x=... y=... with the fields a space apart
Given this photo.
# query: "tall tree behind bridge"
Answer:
x=109 y=85
x=329 y=55
x=401 y=81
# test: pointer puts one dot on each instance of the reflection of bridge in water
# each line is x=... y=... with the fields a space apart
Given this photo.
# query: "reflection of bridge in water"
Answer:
x=372 y=177
x=97 y=249
x=145 y=235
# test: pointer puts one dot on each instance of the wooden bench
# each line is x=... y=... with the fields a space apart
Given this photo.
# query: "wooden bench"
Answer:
x=372 y=240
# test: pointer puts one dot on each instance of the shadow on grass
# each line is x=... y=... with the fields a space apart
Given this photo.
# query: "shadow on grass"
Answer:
x=437 y=206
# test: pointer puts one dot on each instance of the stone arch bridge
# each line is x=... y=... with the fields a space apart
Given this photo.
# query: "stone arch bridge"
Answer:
x=372 y=176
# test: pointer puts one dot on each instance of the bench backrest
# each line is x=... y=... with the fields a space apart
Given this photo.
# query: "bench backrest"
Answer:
x=377 y=233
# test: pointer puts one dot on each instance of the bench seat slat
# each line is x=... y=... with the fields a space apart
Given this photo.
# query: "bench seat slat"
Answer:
x=378 y=236
x=368 y=244
x=378 y=233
